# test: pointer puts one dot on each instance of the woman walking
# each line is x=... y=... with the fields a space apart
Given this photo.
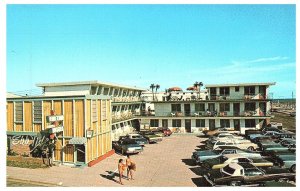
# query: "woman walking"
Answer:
x=130 y=167
x=121 y=168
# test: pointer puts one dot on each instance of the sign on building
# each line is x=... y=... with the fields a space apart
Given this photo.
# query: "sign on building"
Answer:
x=56 y=129
x=53 y=118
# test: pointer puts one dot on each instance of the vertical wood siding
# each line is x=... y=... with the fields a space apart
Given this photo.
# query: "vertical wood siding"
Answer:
x=47 y=111
x=69 y=152
x=28 y=116
x=57 y=106
x=58 y=148
x=68 y=118
x=10 y=116
x=79 y=116
x=88 y=113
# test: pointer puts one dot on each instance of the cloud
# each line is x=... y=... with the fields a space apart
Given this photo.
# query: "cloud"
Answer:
x=258 y=60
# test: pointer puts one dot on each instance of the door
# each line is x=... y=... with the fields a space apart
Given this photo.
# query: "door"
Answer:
x=213 y=93
x=188 y=125
x=262 y=92
x=165 y=123
x=80 y=152
x=236 y=123
x=211 y=107
x=236 y=109
x=212 y=125
x=187 y=109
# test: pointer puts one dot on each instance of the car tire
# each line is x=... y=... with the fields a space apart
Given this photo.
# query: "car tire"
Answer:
x=293 y=169
x=250 y=148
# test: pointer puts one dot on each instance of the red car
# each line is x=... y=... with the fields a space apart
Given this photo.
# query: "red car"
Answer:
x=165 y=131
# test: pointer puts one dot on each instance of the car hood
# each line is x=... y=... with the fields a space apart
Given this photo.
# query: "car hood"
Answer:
x=205 y=153
x=213 y=161
x=133 y=146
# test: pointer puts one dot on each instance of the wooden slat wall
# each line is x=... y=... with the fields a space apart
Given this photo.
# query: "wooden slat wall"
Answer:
x=47 y=111
x=57 y=106
x=99 y=116
x=10 y=116
x=99 y=145
x=37 y=127
x=69 y=152
x=28 y=116
x=88 y=113
x=89 y=150
x=68 y=118
x=94 y=139
x=19 y=126
x=57 y=152
x=104 y=143
x=79 y=116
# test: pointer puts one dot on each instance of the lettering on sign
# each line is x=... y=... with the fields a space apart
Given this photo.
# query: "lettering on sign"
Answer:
x=56 y=129
x=53 y=118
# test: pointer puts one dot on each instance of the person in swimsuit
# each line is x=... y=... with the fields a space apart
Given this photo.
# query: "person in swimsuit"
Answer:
x=130 y=167
x=121 y=168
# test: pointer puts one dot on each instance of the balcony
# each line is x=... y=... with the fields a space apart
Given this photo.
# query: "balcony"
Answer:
x=126 y=99
x=122 y=116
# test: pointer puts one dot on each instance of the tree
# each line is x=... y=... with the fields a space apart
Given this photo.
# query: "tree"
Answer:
x=157 y=86
x=198 y=86
x=152 y=86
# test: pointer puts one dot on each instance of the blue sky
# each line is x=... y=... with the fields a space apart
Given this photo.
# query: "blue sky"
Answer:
x=170 y=45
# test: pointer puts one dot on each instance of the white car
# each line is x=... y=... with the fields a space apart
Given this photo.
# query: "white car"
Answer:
x=239 y=144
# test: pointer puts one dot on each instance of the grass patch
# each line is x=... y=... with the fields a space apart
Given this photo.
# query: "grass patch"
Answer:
x=287 y=121
x=25 y=162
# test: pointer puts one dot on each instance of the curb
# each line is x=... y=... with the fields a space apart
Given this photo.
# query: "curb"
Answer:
x=37 y=183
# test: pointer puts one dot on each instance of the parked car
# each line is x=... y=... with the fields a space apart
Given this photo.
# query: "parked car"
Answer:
x=272 y=134
x=138 y=138
x=218 y=130
x=164 y=131
x=287 y=161
x=236 y=143
x=127 y=146
x=237 y=174
x=221 y=161
x=273 y=147
x=201 y=156
x=151 y=137
x=286 y=142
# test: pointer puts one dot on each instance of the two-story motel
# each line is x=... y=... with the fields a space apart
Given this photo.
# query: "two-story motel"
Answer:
x=235 y=106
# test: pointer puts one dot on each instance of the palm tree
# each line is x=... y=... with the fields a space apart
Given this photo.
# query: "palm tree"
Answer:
x=157 y=86
x=152 y=86
x=198 y=86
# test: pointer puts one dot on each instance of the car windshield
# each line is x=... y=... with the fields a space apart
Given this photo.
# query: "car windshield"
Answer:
x=127 y=142
x=252 y=172
x=136 y=137
x=228 y=169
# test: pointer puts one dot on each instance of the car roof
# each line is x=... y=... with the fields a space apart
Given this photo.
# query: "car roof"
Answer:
x=222 y=147
x=234 y=156
x=235 y=165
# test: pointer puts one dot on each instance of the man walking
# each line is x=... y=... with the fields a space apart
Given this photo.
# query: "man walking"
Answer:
x=131 y=166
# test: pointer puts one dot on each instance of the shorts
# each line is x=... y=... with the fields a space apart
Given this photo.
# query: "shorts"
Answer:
x=132 y=167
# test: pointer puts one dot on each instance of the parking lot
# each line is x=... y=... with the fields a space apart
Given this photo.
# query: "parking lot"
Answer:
x=167 y=163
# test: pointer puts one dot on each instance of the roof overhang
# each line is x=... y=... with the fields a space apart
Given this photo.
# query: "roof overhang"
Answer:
x=240 y=84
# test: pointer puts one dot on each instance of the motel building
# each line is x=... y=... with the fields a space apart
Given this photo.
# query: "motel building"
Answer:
x=234 y=106
x=82 y=117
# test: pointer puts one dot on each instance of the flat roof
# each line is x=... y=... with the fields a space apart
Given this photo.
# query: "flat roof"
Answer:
x=241 y=84
x=94 y=82
x=42 y=97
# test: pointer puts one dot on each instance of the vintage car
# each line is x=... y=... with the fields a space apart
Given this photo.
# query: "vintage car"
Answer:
x=203 y=155
x=237 y=174
x=138 y=138
x=273 y=147
x=287 y=161
x=165 y=131
x=272 y=134
x=223 y=160
x=218 y=130
x=286 y=142
x=229 y=142
x=151 y=137
x=127 y=146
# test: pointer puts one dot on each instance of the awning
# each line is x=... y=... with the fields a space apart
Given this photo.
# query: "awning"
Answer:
x=175 y=89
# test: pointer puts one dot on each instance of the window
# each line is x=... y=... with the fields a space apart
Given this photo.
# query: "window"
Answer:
x=176 y=123
x=237 y=89
x=164 y=123
x=19 y=111
x=154 y=122
x=200 y=122
x=224 y=107
x=37 y=112
x=249 y=90
x=103 y=109
x=114 y=108
x=176 y=108
x=249 y=106
x=250 y=123
x=94 y=111
x=224 y=123
x=199 y=107
x=224 y=91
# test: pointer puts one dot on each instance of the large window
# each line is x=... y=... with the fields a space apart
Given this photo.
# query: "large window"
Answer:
x=176 y=123
x=37 y=112
x=224 y=91
x=250 y=123
x=154 y=122
x=225 y=123
x=176 y=108
x=224 y=107
x=200 y=122
x=249 y=90
x=103 y=110
x=19 y=111
x=249 y=106
x=199 y=107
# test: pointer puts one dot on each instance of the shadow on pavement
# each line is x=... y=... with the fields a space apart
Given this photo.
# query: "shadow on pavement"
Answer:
x=189 y=162
x=202 y=136
x=198 y=171
x=110 y=176
x=200 y=182
x=202 y=147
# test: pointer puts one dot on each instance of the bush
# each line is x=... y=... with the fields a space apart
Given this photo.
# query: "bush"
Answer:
x=25 y=162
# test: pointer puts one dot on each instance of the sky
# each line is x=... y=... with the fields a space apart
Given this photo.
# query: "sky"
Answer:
x=137 y=45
